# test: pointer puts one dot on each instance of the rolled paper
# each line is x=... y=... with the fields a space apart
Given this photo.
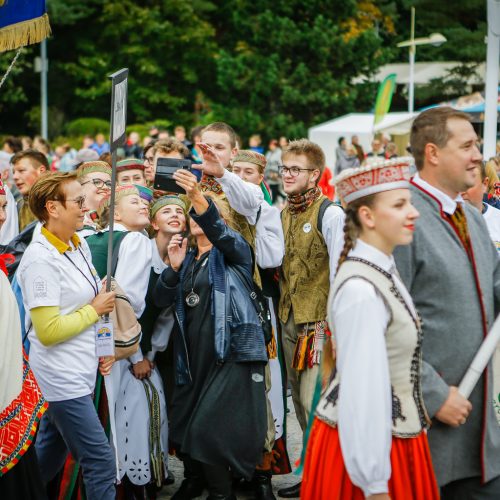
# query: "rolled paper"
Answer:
x=481 y=360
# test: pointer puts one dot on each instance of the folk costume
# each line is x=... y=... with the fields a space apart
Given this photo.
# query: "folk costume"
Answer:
x=368 y=436
x=313 y=231
x=21 y=406
x=141 y=413
x=157 y=322
x=452 y=260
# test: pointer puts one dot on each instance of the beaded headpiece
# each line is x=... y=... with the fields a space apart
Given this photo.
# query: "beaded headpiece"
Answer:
x=354 y=183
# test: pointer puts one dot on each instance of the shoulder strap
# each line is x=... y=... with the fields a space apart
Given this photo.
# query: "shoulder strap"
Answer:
x=322 y=209
x=117 y=241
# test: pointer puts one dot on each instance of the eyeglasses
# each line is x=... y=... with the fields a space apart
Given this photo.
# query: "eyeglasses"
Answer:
x=80 y=201
x=148 y=159
x=293 y=171
x=99 y=183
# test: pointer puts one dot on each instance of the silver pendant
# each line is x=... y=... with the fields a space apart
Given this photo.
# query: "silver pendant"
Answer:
x=192 y=299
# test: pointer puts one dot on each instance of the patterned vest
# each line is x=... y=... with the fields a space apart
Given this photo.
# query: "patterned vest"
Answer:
x=403 y=342
x=305 y=277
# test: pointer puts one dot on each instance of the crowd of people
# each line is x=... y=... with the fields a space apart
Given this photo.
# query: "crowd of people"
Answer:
x=367 y=296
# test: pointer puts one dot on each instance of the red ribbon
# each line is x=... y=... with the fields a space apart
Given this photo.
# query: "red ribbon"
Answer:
x=5 y=260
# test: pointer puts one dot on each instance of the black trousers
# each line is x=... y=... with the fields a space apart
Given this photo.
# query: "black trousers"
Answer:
x=218 y=477
x=471 y=489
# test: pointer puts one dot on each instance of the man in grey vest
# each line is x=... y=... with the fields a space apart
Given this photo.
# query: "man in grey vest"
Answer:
x=453 y=274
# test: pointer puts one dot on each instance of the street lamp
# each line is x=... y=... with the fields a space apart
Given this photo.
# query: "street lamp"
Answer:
x=435 y=39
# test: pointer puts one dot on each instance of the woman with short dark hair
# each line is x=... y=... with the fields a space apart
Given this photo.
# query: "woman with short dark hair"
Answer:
x=63 y=299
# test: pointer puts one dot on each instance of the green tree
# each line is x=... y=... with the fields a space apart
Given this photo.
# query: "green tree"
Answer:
x=284 y=67
x=165 y=45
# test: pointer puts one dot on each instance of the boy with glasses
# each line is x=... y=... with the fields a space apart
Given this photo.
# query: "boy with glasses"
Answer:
x=313 y=230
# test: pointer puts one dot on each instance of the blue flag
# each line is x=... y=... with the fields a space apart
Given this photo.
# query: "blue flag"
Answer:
x=22 y=22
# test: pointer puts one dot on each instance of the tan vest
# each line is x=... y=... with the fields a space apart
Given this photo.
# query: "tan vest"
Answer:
x=403 y=342
x=305 y=276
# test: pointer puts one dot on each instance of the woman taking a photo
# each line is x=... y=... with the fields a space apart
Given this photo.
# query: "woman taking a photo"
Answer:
x=62 y=297
x=218 y=411
x=368 y=439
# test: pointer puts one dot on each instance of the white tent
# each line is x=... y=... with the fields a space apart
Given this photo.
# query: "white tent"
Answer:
x=327 y=134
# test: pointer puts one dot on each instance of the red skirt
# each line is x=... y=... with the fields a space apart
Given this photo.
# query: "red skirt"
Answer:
x=326 y=478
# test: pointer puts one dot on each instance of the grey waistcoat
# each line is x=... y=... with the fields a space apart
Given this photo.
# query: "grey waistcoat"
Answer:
x=457 y=300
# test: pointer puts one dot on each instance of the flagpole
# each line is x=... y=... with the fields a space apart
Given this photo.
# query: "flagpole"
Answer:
x=111 y=216
x=117 y=137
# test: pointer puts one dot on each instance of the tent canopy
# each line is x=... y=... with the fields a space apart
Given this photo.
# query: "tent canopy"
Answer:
x=327 y=134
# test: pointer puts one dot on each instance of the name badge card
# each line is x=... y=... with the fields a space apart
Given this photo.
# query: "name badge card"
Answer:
x=104 y=340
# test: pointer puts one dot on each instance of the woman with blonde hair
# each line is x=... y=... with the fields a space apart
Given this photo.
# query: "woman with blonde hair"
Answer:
x=368 y=438
x=492 y=195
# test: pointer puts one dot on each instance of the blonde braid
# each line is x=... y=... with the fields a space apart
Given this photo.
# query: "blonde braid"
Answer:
x=351 y=231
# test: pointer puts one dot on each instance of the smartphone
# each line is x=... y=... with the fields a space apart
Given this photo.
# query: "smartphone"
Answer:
x=165 y=168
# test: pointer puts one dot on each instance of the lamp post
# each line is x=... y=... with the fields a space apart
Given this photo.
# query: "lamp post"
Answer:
x=435 y=39
x=42 y=67
x=491 y=91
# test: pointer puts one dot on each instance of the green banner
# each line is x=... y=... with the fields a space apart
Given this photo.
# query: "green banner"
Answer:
x=384 y=97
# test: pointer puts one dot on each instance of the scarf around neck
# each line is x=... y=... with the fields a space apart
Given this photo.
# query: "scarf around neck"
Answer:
x=298 y=203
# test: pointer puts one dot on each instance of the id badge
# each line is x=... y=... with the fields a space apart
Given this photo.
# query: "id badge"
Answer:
x=104 y=341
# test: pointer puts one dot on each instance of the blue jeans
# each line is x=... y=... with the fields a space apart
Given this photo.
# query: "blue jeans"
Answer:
x=73 y=425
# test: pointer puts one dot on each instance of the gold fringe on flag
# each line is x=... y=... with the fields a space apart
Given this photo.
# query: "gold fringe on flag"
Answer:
x=24 y=33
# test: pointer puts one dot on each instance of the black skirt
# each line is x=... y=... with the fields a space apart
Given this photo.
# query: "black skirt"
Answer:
x=229 y=424
x=23 y=481
x=220 y=418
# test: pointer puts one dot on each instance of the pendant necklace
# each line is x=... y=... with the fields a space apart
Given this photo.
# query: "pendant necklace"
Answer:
x=192 y=298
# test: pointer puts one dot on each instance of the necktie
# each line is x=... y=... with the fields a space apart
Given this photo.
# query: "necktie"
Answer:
x=460 y=222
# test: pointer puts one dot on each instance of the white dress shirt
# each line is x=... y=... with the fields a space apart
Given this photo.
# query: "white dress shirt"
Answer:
x=246 y=198
x=360 y=318
x=448 y=204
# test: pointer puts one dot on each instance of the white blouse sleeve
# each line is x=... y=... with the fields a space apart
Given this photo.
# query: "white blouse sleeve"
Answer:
x=360 y=320
x=269 y=241
x=134 y=268
x=10 y=228
x=244 y=197
x=333 y=233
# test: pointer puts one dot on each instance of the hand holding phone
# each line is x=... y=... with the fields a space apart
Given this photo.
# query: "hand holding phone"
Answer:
x=187 y=181
x=165 y=169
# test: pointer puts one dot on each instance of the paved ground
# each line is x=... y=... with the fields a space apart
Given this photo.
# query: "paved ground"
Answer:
x=294 y=449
